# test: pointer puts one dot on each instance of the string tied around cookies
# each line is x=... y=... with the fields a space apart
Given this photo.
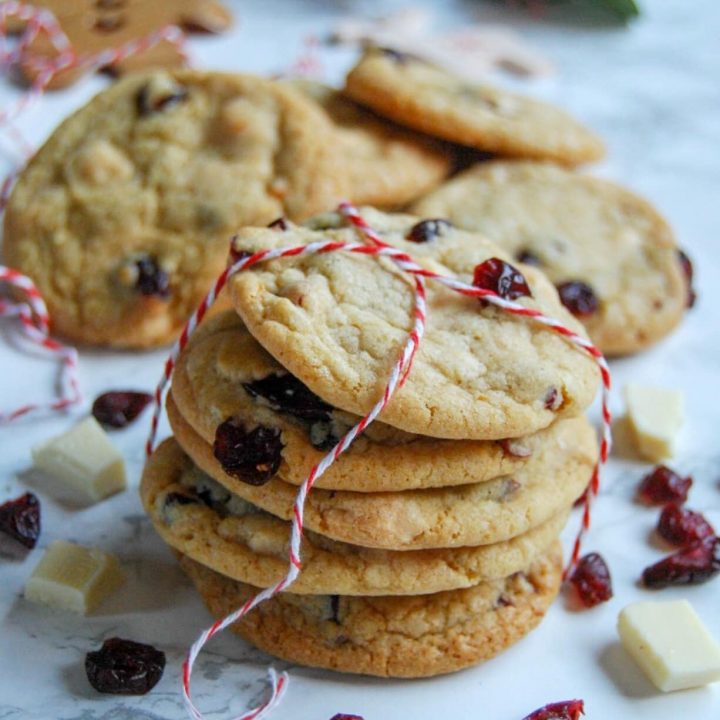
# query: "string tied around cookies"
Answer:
x=372 y=245
x=34 y=322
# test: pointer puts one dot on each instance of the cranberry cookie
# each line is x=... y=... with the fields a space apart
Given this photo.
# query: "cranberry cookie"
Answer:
x=479 y=514
x=197 y=516
x=421 y=96
x=224 y=375
x=387 y=165
x=338 y=322
x=415 y=636
x=612 y=257
x=123 y=217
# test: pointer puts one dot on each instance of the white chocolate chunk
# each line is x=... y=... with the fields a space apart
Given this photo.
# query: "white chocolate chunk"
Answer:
x=73 y=577
x=655 y=415
x=670 y=643
x=84 y=460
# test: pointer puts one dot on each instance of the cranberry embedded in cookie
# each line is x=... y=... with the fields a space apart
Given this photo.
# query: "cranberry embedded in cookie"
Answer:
x=160 y=93
x=251 y=456
x=502 y=278
x=280 y=223
x=427 y=230
x=151 y=278
x=527 y=257
x=688 y=271
x=578 y=297
x=286 y=394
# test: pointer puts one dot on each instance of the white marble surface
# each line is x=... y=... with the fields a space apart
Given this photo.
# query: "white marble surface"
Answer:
x=652 y=92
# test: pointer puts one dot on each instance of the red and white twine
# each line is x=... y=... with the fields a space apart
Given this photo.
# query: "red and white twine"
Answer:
x=376 y=247
x=35 y=325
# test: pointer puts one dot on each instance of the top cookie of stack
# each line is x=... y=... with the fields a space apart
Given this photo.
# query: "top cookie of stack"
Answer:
x=339 y=321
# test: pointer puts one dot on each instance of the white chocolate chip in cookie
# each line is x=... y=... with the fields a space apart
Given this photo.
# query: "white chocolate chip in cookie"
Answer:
x=101 y=162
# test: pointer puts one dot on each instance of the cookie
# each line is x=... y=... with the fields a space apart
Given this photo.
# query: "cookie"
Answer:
x=577 y=229
x=385 y=165
x=422 y=96
x=483 y=513
x=198 y=517
x=416 y=636
x=123 y=217
x=223 y=374
x=338 y=322
x=93 y=26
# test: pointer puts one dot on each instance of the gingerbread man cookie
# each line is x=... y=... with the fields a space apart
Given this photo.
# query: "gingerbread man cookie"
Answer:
x=94 y=26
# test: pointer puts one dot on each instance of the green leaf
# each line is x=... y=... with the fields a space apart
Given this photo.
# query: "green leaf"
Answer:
x=624 y=9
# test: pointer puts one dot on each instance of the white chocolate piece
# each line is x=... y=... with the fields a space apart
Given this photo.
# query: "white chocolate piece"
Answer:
x=84 y=460
x=670 y=643
x=73 y=577
x=655 y=415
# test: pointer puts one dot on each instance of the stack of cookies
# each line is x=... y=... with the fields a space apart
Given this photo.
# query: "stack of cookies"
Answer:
x=432 y=543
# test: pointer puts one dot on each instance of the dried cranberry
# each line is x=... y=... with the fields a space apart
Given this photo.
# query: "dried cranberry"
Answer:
x=688 y=270
x=119 y=408
x=287 y=394
x=680 y=526
x=151 y=278
x=427 y=230
x=528 y=258
x=345 y=716
x=663 y=485
x=565 y=710
x=279 y=224
x=251 y=456
x=553 y=399
x=124 y=667
x=148 y=103
x=591 y=579
x=578 y=297
x=502 y=278
x=20 y=518
x=692 y=565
